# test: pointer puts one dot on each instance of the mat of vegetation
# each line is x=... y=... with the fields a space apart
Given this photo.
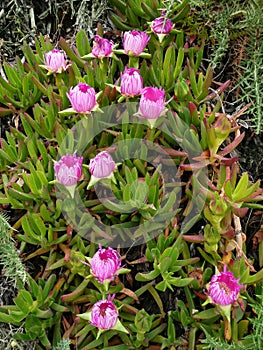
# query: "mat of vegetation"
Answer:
x=131 y=159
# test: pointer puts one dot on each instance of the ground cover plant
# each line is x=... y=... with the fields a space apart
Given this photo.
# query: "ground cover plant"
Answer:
x=127 y=199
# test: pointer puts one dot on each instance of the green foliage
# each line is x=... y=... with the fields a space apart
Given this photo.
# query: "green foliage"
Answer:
x=250 y=341
x=250 y=81
x=234 y=28
x=134 y=14
x=64 y=344
x=192 y=185
x=166 y=263
x=11 y=263
x=255 y=339
x=35 y=310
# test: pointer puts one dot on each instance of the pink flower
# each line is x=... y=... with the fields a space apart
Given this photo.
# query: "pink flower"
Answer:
x=102 y=165
x=55 y=61
x=68 y=169
x=105 y=264
x=224 y=288
x=135 y=42
x=131 y=82
x=152 y=103
x=102 y=47
x=162 y=25
x=82 y=98
x=104 y=314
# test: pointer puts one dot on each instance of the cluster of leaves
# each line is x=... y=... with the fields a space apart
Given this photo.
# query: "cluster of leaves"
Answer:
x=250 y=82
x=195 y=137
x=233 y=31
x=251 y=341
x=9 y=258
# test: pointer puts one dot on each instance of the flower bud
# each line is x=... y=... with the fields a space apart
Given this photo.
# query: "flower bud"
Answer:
x=161 y=25
x=135 y=42
x=104 y=314
x=181 y=89
x=55 y=61
x=218 y=206
x=152 y=103
x=82 y=98
x=102 y=165
x=131 y=82
x=102 y=47
x=68 y=169
x=105 y=264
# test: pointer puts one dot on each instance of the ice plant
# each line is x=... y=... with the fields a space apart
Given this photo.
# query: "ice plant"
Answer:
x=134 y=42
x=224 y=288
x=131 y=82
x=102 y=47
x=223 y=291
x=105 y=264
x=55 y=61
x=68 y=171
x=161 y=25
x=152 y=103
x=101 y=167
x=82 y=98
x=104 y=314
